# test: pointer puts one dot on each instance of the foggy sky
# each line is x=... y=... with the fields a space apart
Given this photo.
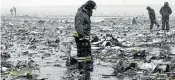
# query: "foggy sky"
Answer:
x=8 y=3
x=70 y=6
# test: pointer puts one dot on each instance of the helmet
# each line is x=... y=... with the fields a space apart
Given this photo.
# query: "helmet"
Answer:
x=148 y=8
x=90 y=5
x=166 y=4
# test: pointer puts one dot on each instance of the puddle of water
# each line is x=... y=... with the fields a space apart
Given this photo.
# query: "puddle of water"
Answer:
x=173 y=49
x=157 y=50
x=52 y=73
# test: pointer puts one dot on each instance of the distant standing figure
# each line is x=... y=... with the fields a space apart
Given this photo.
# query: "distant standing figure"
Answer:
x=11 y=11
x=14 y=9
x=41 y=22
x=134 y=21
x=165 y=11
x=152 y=17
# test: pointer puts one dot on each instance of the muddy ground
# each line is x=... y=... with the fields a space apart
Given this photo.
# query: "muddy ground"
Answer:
x=25 y=38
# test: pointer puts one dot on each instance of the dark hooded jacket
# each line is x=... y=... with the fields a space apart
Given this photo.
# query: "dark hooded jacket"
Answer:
x=151 y=13
x=83 y=22
x=165 y=11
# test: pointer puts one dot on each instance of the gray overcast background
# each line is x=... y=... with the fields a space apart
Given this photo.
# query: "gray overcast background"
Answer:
x=69 y=7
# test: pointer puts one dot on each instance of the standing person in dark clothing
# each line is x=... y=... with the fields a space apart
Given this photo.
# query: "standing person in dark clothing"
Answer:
x=152 y=17
x=14 y=9
x=82 y=35
x=11 y=11
x=165 y=11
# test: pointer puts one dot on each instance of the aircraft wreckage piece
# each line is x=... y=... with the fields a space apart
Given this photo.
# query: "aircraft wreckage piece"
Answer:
x=22 y=70
x=139 y=54
x=20 y=78
x=108 y=41
x=100 y=45
x=124 y=65
x=96 y=46
x=162 y=68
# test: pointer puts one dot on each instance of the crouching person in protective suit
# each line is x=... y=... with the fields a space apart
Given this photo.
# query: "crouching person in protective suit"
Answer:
x=82 y=35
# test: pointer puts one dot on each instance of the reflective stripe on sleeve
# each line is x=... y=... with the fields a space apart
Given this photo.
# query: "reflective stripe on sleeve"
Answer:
x=84 y=59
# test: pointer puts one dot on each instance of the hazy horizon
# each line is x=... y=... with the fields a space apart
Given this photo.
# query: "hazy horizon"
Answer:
x=69 y=7
x=72 y=9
